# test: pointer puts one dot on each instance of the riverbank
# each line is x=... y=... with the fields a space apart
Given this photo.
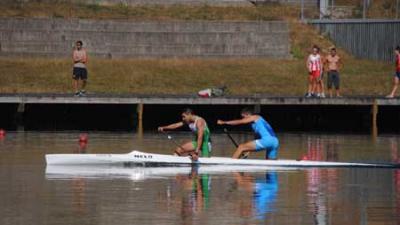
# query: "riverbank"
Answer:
x=187 y=76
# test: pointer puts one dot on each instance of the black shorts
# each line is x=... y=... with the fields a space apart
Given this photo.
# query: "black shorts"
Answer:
x=333 y=79
x=79 y=73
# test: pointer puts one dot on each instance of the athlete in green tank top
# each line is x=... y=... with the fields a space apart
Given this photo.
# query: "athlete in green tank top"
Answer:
x=201 y=145
x=206 y=141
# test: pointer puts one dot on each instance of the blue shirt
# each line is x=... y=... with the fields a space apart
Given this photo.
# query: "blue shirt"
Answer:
x=262 y=128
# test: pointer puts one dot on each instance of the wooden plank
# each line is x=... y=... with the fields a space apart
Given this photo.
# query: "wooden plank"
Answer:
x=187 y=100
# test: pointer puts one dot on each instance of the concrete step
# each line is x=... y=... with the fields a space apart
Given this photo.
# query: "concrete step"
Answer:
x=112 y=51
x=131 y=26
x=180 y=38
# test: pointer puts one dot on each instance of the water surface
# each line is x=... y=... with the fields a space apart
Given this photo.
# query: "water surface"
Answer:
x=32 y=194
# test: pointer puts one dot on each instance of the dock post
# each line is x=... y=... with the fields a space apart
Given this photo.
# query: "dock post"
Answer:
x=374 y=112
x=19 y=117
x=139 y=110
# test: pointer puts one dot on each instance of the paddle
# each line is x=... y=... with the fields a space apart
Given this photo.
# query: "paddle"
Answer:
x=194 y=157
x=230 y=137
x=243 y=156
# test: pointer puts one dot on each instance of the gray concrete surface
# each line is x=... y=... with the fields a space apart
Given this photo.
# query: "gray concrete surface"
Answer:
x=114 y=39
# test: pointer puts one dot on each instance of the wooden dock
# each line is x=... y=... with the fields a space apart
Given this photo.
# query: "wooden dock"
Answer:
x=256 y=101
x=193 y=100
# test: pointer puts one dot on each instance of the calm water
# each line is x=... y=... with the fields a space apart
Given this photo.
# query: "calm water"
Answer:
x=32 y=194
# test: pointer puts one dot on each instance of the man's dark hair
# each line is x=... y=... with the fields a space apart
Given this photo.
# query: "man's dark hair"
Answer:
x=79 y=42
x=187 y=111
x=316 y=47
x=247 y=111
x=398 y=48
x=333 y=49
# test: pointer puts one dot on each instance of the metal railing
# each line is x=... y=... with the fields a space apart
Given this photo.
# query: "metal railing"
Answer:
x=367 y=39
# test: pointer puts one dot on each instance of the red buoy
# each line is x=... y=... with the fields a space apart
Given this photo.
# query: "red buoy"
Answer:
x=304 y=157
x=83 y=138
x=2 y=133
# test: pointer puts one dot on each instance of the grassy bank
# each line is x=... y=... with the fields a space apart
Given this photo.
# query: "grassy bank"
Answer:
x=186 y=76
x=272 y=11
x=154 y=12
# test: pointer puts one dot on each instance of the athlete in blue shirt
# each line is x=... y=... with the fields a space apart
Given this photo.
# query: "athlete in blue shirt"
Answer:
x=267 y=139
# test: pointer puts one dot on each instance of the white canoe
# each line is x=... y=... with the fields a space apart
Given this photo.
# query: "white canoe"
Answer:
x=150 y=159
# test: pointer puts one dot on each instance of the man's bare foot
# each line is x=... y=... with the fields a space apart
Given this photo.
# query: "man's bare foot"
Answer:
x=194 y=157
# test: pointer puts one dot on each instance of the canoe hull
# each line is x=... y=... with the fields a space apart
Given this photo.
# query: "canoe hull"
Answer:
x=149 y=159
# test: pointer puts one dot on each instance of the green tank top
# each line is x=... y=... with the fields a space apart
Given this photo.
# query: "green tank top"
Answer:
x=206 y=146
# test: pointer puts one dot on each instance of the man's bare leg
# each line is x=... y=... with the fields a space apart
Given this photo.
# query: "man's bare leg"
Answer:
x=244 y=148
x=83 y=85
x=75 y=85
x=184 y=149
x=395 y=86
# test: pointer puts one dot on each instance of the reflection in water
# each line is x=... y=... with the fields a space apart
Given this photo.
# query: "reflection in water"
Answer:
x=263 y=191
x=189 y=189
x=81 y=147
x=79 y=193
x=316 y=177
x=396 y=159
x=197 y=192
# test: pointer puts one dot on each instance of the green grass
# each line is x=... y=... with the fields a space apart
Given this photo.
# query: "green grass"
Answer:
x=187 y=76
x=154 y=12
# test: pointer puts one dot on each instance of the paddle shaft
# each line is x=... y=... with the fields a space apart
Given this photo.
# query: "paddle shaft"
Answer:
x=243 y=156
x=173 y=141
x=178 y=145
x=230 y=137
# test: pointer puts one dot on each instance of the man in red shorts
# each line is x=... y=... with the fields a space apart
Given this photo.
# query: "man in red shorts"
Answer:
x=314 y=66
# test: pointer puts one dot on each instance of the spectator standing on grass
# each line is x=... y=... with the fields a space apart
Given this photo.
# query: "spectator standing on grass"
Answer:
x=333 y=62
x=314 y=66
x=79 y=74
x=396 y=77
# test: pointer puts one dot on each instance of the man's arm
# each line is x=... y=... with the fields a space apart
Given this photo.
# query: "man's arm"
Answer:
x=85 y=57
x=171 y=126
x=200 y=133
x=308 y=62
x=246 y=120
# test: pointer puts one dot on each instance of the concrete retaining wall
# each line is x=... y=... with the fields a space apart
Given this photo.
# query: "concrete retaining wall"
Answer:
x=186 y=2
x=288 y=2
x=56 y=37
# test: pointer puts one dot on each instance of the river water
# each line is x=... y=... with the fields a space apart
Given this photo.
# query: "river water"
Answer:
x=30 y=193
